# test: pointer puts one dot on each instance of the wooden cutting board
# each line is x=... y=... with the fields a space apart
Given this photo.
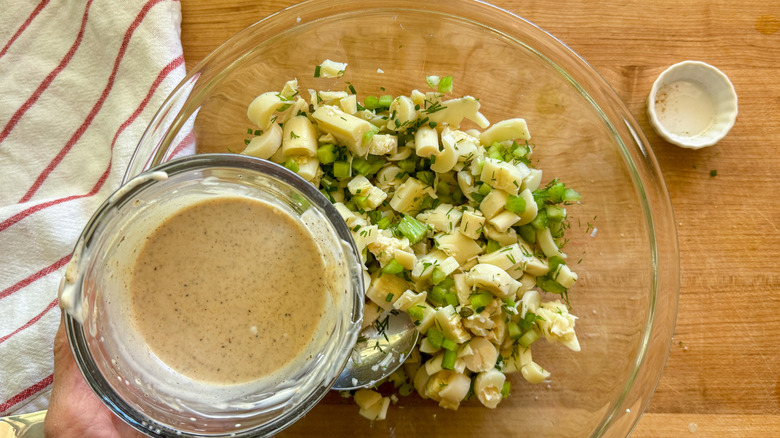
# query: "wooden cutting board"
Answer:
x=722 y=378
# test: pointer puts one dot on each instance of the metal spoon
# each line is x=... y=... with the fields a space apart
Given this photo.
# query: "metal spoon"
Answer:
x=381 y=348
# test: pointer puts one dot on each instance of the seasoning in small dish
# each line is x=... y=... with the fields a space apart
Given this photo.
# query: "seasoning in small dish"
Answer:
x=692 y=105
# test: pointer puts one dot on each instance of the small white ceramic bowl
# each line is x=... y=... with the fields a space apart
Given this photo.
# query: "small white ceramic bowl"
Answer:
x=692 y=105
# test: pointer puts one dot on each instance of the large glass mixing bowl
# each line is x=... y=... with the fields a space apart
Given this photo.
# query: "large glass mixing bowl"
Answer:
x=623 y=232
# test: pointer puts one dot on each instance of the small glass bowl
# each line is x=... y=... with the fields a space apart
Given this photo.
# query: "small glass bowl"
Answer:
x=122 y=370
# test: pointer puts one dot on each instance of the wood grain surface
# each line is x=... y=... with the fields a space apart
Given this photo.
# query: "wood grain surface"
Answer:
x=722 y=378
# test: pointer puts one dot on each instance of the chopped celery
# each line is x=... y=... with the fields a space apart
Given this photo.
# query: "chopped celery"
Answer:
x=385 y=101
x=412 y=229
x=448 y=362
x=449 y=344
x=383 y=223
x=480 y=299
x=540 y=221
x=549 y=285
x=435 y=337
x=291 y=164
x=393 y=267
x=408 y=165
x=329 y=183
x=492 y=246
x=451 y=298
x=406 y=389
x=571 y=195
x=426 y=176
x=528 y=233
x=342 y=169
x=360 y=202
x=555 y=213
x=327 y=153
x=416 y=312
x=437 y=276
x=528 y=338
x=514 y=330
x=515 y=204
x=371 y=102
x=437 y=295
x=505 y=388
x=445 y=84
x=361 y=166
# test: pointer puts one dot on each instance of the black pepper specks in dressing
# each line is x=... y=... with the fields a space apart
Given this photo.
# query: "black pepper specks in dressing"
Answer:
x=228 y=290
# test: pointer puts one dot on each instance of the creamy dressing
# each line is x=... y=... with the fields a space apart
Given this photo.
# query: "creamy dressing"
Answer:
x=684 y=108
x=228 y=290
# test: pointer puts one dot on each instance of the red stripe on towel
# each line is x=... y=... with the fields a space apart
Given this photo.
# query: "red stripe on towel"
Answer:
x=173 y=65
x=29 y=323
x=95 y=109
x=27 y=393
x=24 y=25
x=49 y=78
x=34 y=277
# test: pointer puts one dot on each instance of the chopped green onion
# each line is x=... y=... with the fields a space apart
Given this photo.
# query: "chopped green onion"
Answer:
x=342 y=169
x=412 y=229
x=445 y=84
x=317 y=70
x=515 y=204
x=389 y=298
x=448 y=361
x=393 y=267
x=327 y=153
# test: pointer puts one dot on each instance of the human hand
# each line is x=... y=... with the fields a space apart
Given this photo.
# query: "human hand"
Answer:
x=74 y=410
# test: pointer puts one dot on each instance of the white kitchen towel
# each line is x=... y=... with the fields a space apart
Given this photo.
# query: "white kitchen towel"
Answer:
x=79 y=82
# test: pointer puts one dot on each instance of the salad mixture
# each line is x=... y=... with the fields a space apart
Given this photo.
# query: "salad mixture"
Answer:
x=455 y=226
